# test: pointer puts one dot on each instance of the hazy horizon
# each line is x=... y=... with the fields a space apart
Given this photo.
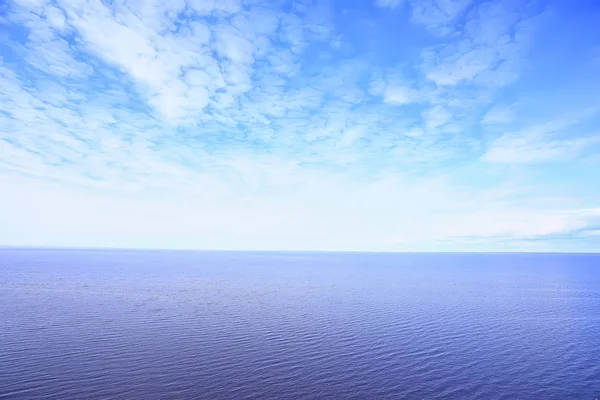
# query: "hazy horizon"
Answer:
x=200 y=250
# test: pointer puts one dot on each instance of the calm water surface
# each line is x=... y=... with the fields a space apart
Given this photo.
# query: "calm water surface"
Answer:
x=168 y=325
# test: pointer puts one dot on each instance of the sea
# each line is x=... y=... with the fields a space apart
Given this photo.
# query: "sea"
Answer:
x=132 y=324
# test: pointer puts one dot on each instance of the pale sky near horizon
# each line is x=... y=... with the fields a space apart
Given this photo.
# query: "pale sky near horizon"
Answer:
x=425 y=125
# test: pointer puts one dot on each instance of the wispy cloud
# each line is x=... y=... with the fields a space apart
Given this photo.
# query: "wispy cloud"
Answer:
x=551 y=141
x=498 y=115
x=531 y=148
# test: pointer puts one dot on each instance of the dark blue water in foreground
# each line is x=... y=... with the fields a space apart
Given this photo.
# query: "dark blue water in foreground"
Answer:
x=158 y=325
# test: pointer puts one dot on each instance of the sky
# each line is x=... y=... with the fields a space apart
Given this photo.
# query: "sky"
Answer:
x=349 y=125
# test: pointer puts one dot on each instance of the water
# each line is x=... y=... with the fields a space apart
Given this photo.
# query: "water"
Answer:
x=158 y=325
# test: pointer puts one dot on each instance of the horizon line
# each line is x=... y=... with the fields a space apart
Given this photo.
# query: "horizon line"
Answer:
x=100 y=248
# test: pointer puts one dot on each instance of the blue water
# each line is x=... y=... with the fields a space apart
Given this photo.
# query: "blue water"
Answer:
x=94 y=324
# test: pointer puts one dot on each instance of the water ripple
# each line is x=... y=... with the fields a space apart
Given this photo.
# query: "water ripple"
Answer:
x=110 y=325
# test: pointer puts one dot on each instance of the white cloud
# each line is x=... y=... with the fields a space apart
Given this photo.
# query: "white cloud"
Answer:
x=31 y=4
x=56 y=18
x=140 y=40
x=351 y=135
x=498 y=115
x=401 y=95
x=487 y=51
x=206 y=7
x=533 y=148
x=549 y=141
x=464 y=67
x=438 y=15
x=233 y=46
x=257 y=22
x=389 y=3
x=436 y=117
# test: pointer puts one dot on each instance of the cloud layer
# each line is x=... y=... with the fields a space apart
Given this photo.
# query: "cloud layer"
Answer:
x=395 y=125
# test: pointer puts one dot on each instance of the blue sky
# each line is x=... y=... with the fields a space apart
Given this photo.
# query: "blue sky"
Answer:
x=385 y=125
